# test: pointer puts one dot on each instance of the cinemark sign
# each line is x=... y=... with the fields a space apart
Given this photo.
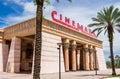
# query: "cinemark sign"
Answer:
x=71 y=23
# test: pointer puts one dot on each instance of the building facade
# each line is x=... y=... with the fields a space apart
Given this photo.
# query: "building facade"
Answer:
x=77 y=51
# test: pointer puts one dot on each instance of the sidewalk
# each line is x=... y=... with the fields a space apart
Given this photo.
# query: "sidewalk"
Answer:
x=66 y=75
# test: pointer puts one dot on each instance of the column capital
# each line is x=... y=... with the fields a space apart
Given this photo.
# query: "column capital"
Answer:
x=66 y=40
x=66 y=45
x=73 y=45
x=85 y=48
x=91 y=50
x=73 y=42
x=94 y=49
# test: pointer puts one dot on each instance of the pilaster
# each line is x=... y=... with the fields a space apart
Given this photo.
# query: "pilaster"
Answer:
x=66 y=54
x=91 y=58
x=3 y=56
x=86 y=57
x=74 y=63
x=13 y=63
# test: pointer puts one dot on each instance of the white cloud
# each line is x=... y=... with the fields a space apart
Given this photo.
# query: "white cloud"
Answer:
x=29 y=11
x=82 y=15
x=29 y=7
x=117 y=5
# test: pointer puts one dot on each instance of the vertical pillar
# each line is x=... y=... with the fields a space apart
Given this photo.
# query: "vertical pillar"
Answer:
x=3 y=56
x=91 y=58
x=78 y=59
x=66 y=54
x=86 y=58
x=13 y=63
x=74 y=63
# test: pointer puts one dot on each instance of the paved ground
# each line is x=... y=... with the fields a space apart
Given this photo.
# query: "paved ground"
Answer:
x=67 y=75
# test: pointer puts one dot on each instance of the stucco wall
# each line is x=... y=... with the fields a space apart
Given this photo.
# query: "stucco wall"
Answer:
x=50 y=54
x=3 y=56
x=101 y=59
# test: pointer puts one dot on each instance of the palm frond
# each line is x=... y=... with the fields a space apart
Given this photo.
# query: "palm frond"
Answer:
x=96 y=29
x=117 y=25
x=99 y=33
x=108 y=17
x=101 y=16
x=117 y=20
x=47 y=1
x=115 y=13
x=70 y=0
x=57 y=0
x=95 y=24
x=118 y=30
x=96 y=19
x=37 y=1
x=105 y=31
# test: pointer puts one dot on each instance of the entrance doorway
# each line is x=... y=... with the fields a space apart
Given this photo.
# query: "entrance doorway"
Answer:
x=26 y=56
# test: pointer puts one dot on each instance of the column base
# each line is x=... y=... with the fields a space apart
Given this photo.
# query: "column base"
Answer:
x=66 y=70
x=73 y=70
x=87 y=69
x=92 y=69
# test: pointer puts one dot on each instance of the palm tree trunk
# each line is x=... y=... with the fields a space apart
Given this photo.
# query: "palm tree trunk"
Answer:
x=112 y=58
x=38 y=41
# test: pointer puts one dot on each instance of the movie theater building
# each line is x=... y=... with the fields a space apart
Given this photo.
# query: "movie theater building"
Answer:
x=80 y=50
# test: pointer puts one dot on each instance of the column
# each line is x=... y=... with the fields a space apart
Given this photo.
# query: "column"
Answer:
x=13 y=63
x=74 y=63
x=91 y=58
x=66 y=54
x=78 y=59
x=3 y=56
x=86 y=57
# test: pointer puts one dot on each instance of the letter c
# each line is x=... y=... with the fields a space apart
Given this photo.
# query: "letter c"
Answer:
x=53 y=15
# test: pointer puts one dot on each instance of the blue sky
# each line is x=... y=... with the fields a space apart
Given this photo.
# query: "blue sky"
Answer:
x=14 y=11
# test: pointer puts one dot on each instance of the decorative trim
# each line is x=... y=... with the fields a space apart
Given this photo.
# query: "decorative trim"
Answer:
x=66 y=45
x=91 y=50
x=86 y=49
x=74 y=46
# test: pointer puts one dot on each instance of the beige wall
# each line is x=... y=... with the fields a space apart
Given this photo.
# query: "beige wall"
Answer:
x=13 y=63
x=50 y=54
x=3 y=56
x=101 y=59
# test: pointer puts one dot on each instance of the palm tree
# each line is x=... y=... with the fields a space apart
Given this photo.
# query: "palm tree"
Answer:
x=38 y=38
x=107 y=20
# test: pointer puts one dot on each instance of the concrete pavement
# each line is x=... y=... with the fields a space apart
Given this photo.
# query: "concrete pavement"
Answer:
x=66 y=75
